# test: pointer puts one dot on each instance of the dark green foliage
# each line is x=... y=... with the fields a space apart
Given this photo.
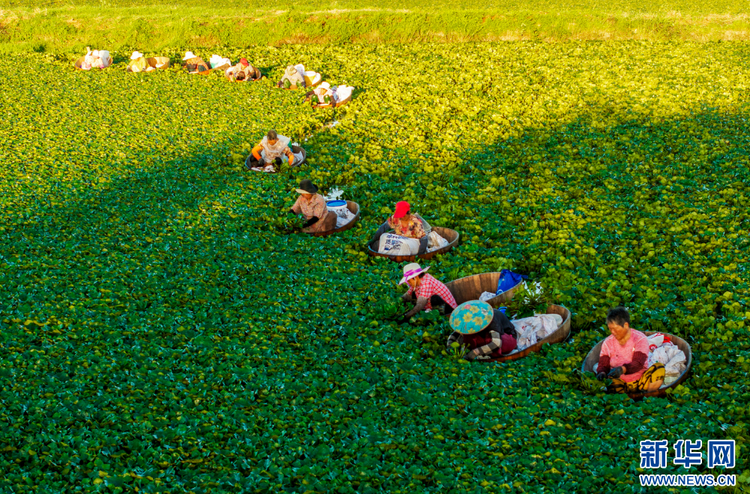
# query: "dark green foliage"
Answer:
x=160 y=328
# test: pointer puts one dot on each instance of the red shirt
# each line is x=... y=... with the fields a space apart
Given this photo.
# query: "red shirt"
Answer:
x=429 y=286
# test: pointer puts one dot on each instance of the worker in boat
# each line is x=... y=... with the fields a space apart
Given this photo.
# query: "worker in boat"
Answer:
x=313 y=207
x=138 y=62
x=411 y=228
x=486 y=332
x=294 y=76
x=624 y=356
x=194 y=63
x=243 y=71
x=266 y=156
x=425 y=291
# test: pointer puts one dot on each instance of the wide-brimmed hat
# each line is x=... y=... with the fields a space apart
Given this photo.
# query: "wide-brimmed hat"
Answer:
x=402 y=207
x=188 y=55
x=136 y=55
x=307 y=187
x=471 y=317
x=412 y=271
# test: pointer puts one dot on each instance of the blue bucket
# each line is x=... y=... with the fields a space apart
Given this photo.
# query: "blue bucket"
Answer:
x=336 y=204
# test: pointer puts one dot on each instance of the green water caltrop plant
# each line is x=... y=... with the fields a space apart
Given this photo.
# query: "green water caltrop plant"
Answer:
x=158 y=332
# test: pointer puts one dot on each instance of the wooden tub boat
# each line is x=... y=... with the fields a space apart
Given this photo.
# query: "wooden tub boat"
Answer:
x=451 y=236
x=593 y=358
x=159 y=63
x=295 y=150
x=471 y=287
x=153 y=64
x=335 y=105
x=351 y=206
x=312 y=78
x=300 y=149
x=561 y=334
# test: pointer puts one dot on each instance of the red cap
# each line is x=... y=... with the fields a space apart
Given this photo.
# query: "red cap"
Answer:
x=244 y=62
x=402 y=207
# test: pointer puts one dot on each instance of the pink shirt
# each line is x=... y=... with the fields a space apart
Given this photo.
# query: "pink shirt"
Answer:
x=623 y=354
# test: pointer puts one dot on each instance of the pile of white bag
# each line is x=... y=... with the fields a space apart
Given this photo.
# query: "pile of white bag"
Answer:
x=669 y=354
x=436 y=241
x=533 y=329
x=343 y=215
x=219 y=62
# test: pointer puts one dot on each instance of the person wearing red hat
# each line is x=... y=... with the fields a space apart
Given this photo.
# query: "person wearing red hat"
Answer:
x=243 y=71
x=405 y=224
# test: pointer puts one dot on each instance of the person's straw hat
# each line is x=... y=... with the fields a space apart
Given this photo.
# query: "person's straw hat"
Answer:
x=136 y=55
x=188 y=55
x=471 y=317
x=307 y=187
x=412 y=270
x=402 y=207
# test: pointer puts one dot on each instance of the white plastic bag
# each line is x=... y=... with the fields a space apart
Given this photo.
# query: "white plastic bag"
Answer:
x=396 y=245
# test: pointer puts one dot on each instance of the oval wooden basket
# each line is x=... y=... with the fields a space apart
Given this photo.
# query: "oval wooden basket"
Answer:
x=152 y=62
x=593 y=358
x=156 y=61
x=451 y=236
x=205 y=72
x=351 y=206
x=561 y=334
x=334 y=105
x=295 y=149
x=300 y=149
x=471 y=287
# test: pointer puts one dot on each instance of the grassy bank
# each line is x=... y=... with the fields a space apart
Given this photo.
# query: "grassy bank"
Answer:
x=60 y=26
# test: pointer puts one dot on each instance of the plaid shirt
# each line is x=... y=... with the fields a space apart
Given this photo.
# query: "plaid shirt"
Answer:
x=428 y=287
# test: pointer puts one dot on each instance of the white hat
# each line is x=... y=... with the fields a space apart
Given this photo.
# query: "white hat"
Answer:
x=412 y=271
x=324 y=85
x=188 y=55
x=136 y=55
